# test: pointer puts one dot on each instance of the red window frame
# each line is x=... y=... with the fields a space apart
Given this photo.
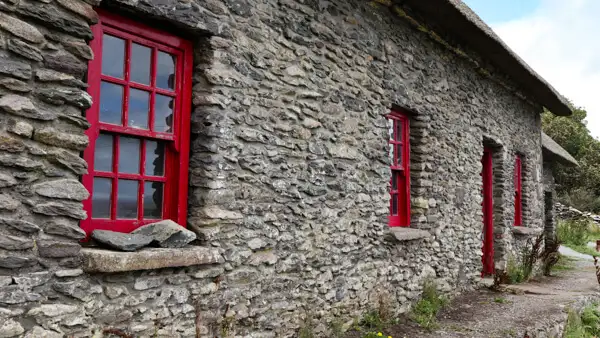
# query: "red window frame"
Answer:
x=176 y=142
x=399 y=155
x=518 y=182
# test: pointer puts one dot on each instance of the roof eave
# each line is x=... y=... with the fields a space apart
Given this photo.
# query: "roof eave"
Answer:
x=459 y=20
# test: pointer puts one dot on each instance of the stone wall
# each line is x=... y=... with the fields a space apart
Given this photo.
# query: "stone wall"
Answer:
x=288 y=168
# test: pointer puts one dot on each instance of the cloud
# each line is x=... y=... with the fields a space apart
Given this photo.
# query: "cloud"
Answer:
x=560 y=41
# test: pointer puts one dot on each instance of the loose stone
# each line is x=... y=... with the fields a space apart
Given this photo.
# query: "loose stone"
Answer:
x=167 y=234
x=121 y=241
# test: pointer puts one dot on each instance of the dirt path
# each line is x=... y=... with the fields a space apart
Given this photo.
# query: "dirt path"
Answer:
x=537 y=304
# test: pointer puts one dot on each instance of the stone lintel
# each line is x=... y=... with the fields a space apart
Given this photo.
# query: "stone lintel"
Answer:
x=102 y=260
x=408 y=234
x=525 y=231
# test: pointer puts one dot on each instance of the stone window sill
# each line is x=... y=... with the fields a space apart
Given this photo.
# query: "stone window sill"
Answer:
x=102 y=260
x=408 y=234
x=525 y=231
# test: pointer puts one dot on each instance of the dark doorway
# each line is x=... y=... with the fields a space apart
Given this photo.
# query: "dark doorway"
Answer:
x=488 y=214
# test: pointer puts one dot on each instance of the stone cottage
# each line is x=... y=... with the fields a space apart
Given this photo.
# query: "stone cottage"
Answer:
x=325 y=154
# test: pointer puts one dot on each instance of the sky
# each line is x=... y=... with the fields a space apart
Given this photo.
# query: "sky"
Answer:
x=559 y=39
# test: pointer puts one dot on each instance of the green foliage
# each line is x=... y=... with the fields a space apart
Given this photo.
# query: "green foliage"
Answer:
x=337 y=328
x=500 y=300
x=515 y=271
x=581 y=199
x=574 y=327
x=574 y=232
x=519 y=271
x=427 y=308
x=584 y=325
x=579 y=185
x=565 y=263
x=308 y=327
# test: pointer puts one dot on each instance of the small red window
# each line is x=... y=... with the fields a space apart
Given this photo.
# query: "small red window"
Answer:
x=140 y=82
x=518 y=192
x=399 y=149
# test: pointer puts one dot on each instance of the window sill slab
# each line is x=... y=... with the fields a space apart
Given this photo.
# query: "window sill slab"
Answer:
x=525 y=231
x=408 y=234
x=102 y=260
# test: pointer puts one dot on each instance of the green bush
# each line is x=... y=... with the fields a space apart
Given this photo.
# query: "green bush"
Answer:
x=584 y=325
x=573 y=232
x=515 y=272
x=581 y=199
x=427 y=308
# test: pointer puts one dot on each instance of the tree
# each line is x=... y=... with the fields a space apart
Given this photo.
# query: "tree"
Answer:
x=572 y=134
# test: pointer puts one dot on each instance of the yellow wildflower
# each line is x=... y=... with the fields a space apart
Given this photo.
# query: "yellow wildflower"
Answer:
x=379 y=334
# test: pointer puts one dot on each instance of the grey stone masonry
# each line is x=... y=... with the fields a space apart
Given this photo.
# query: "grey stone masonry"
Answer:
x=289 y=170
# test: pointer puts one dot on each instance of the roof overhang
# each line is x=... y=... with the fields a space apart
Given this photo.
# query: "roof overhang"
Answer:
x=556 y=152
x=457 y=19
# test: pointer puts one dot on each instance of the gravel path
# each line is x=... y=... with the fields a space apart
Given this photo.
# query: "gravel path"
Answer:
x=485 y=313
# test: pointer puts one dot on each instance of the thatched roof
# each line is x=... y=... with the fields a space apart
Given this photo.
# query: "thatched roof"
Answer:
x=462 y=23
x=555 y=151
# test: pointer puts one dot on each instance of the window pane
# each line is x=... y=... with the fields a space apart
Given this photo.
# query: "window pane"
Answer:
x=391 y=129
x=391 y=153
x=165 y=71
x=140 y=64
x=399 y=154
x=101 y=197
x=113 y=60
x=111 y=103
x=394 y=204
x=127 y=202
x=163 y=113
x=103 y=154
x=139 y=103
x=153 y=200
x=394 y=180
x=155 y=158
x=129 y=155
x=398 y=125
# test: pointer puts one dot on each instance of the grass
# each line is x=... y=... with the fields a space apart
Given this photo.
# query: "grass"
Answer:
x=565 y=263
x=427 y=308
x=500 y=300
x=584 y=325
x=575 y=234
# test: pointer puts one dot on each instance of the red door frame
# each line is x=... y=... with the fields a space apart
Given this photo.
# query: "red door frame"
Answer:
x=487 y=258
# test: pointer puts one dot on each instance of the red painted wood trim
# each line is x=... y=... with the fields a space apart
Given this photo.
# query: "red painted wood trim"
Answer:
x=400 y=170
x=518 y=182
x=175 y=181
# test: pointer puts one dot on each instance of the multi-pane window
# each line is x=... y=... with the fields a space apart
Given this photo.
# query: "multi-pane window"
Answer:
x=518 y=183
x=139 y=136
x=399 y=150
